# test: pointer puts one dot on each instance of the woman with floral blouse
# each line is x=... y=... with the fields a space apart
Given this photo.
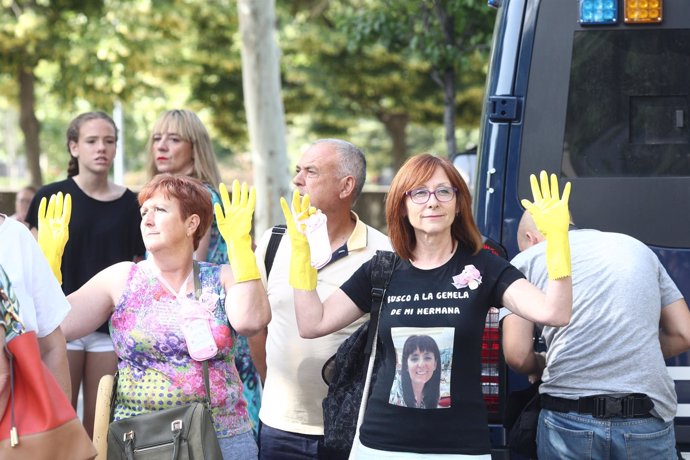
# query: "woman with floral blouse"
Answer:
x=153 y=302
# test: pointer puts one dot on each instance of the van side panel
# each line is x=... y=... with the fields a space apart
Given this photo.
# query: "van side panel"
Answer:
x=624 y=145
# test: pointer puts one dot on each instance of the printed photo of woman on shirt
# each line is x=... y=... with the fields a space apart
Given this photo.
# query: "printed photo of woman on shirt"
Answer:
x=422 y=377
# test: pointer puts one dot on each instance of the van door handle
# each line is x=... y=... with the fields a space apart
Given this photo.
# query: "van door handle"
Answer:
x=488 y=179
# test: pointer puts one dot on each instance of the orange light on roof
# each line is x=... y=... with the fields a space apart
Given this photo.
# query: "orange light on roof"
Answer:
x=642 y=11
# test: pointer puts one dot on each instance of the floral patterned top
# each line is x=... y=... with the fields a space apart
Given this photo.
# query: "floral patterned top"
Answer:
x=155 y=370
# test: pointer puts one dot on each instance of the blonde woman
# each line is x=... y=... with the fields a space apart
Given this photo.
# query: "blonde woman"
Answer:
x=180 y=144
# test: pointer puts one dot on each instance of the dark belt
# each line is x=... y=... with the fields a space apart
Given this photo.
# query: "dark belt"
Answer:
x=636 y=405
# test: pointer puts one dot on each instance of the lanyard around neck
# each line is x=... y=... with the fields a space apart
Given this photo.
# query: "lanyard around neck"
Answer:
x=180 y=293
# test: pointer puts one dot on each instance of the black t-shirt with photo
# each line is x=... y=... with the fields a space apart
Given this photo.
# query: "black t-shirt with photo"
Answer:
x=449 y=304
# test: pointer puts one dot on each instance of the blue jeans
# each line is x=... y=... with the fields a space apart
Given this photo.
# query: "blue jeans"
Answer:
x=275 y=444
x=239 y=447
x=579 y=437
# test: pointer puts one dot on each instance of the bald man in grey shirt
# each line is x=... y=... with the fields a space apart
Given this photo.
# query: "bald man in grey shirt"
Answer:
x=606 y=391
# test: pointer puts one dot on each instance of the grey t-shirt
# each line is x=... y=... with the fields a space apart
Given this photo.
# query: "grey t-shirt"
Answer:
x=611 y=345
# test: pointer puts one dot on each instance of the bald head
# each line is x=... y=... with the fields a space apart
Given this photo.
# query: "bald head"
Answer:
x=528 y=235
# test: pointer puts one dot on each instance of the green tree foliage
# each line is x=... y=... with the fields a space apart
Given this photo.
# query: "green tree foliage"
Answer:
x=340 y=85
x=217 y=75
x=141 y=53
x=451 y=36
x=344 y=64
x=325 y=80
x=31 y=31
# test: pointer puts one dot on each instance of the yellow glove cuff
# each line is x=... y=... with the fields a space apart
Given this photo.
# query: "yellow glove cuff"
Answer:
x=243 y=261
x=55 y=262
x=558 y=256
x=302 y=274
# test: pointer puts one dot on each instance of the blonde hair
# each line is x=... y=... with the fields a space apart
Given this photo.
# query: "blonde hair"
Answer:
x=189 y=127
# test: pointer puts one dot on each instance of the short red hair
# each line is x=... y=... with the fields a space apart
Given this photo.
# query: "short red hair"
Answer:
x=191 y=194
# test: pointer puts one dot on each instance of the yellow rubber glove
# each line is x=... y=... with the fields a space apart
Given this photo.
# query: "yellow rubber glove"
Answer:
x=234 y=220
x=302 y=274
x=550 y=214
x=53 y=229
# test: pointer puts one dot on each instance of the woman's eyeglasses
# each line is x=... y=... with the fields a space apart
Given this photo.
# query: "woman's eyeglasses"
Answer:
x=422 y=195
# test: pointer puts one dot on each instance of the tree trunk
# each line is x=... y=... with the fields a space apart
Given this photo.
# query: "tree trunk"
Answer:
x=447 y=23
x=264 y=107
x=449 y=110
x=396 y=127
x=29 y=123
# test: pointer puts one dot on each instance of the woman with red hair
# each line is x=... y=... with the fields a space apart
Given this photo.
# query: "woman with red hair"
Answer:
x=442 y=286
x=163 y=326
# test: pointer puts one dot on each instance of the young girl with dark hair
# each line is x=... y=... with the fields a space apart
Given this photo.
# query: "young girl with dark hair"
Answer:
x=104 y=229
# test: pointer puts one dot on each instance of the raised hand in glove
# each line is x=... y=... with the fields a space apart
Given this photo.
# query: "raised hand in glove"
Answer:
x=550 y=214
x=53 y=229
x=302 y=274
x=234 y=220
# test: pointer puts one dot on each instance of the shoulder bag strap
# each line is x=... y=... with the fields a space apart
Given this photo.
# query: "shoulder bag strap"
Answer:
x=382 y=267
x=277 y=233
x=204 y=364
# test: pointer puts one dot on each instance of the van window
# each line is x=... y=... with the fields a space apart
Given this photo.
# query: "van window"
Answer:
x=608 y=107
x=628 y=104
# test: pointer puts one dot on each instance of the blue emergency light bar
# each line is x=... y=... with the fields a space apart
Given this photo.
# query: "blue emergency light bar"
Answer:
x=598 y=12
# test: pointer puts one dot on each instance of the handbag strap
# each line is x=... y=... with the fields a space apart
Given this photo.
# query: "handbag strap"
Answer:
x=277 y=233
x=383 y=265
x=204 y=364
